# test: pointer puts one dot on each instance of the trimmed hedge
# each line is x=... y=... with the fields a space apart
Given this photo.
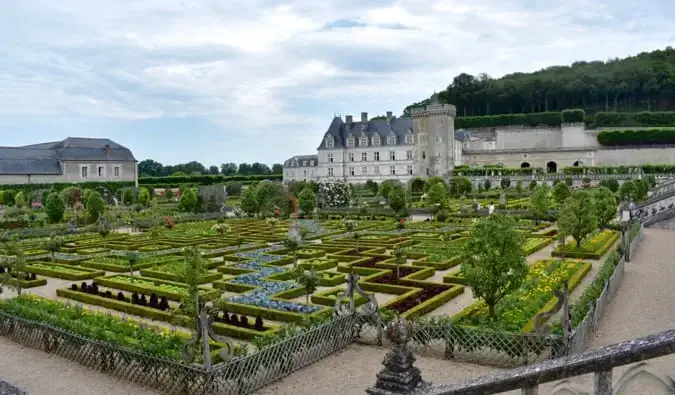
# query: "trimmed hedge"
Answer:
x=113 y=187
x=86 y=274
x=637 y=137
x=433 y=303
x=532 y=119
x=159 y=315
x=30 y=283
x=270 y=314
x=644 y=118
x=206 y=278
x=588 y=255
x=207 y=179
x=206 y=294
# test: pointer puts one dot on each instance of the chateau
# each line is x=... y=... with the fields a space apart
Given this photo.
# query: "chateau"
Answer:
x=72 y=160
x=427 y=144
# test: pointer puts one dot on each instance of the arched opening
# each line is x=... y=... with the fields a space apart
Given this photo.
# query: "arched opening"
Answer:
x=576 y=164
x=552 y=167
x=525 y=165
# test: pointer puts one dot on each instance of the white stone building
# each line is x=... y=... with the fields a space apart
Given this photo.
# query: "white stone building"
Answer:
x=425 y=144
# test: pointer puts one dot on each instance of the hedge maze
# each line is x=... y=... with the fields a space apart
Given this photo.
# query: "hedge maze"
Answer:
x=412 y=272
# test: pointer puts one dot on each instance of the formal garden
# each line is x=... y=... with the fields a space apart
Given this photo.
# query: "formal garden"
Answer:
x=283 y=282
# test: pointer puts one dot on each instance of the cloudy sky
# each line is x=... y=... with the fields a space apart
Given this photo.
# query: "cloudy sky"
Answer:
x=257 y=80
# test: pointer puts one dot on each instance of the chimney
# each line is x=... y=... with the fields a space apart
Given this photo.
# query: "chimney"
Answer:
x=349 y=119
x=364 y=117
x=107 y=149
x=389 y=116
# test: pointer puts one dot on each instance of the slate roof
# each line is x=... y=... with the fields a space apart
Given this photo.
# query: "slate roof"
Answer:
x=398 y=126
x=45 y=158
x=297 y=160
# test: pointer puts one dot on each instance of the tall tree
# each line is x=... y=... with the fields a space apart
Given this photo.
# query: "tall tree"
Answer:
x=577 y=216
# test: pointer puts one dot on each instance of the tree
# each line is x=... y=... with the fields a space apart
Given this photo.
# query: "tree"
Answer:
x=128 y=197
x=53 y=245
x=271 y=195
x=494 y=263
x=104 y=230
x=539 y=203
x=168 y=194
x=560 y=193
x=399 y=259
x=605 y=206
x=628 y=191
x=487 y=184
x=307 y=200
x=12 y=279
x=193 y=269
x=307 y=279
x=533 y=184
x=54 y=208
x=459 y=186
x=20 y=200
x=132 y=259
x=577 y=216
x=435 y=197
x=249 y=201
x=95 y=205
x=292 y=245
x=386 y=187
x=431 y=181
x=144 y=197
x=611 y=184
x=397 y=198
x=188 y=200
x=505 y=183
x=519 y=187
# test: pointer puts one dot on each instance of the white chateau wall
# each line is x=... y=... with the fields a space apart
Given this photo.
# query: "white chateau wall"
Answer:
x=305 y=173
x=635 y=156
x=535 y=159
x=525 y=138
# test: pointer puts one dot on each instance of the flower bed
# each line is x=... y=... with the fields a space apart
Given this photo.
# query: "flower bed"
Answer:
x=173 y=271
x=172 y=290
x=119 y=264
x=318 y=263
x=516 y=311
x=593 y=247
x=127 y=334
x=534 y=244
x=307 y=253
x=64 y=272
x=92 y=251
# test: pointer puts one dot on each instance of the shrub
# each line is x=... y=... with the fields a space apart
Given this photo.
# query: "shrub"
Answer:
x=188 y=200
x=573 y=116
x=54 y=207
x=95 y=205
x=128 y=197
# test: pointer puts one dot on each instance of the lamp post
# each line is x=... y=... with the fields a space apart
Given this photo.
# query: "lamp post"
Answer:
x=625 y=229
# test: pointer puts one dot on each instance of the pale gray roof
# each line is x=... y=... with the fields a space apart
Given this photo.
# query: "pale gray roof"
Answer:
x=302 y=161
x=46 y=158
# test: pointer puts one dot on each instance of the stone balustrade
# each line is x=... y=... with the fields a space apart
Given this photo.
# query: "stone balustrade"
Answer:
x=600 y=362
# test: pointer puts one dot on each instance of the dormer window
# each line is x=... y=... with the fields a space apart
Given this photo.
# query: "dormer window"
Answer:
x=311 y=163
x=364 y=142
x=330 y=142
x=391 y=140
x=409 y=139
x=304 y=163
x=376 y=140
x=351 y=142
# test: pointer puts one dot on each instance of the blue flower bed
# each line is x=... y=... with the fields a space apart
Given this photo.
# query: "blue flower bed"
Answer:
x=261 y=296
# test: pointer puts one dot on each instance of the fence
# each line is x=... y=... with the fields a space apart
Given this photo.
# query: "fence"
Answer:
x=239 y=376
x=589 y=324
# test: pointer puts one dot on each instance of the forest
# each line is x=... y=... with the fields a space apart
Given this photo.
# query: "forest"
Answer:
x=645 y=82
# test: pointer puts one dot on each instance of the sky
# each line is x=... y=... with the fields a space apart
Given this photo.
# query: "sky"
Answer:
x=259 y=81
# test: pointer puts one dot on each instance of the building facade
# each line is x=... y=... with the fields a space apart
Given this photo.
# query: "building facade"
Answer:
x=301 y=168
x=73 y=160
x=385 y=149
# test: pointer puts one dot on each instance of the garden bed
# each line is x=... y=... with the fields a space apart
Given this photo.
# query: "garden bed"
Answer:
x=593 y=247
x=172 y=290
x=65 y=272
x=534 y=244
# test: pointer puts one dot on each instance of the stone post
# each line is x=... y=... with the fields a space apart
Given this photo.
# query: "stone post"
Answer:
x=399 y=375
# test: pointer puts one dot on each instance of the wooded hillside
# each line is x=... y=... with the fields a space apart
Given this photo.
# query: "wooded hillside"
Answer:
x=637 y=83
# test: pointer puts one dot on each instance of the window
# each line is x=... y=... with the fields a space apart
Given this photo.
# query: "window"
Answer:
x=116 y=171
x=364 y=141
x=330 y=172
x=424 y=154
x=100 y=170
x=376 y=140
x=351 y=142
x=330 y=142
x=423 y=139
x=409 y=154
x=351 y=157
x=392 y=170
x=330 y=158
x=311 y=163
x=392 y=155
x=304 y=163
x=410 y=170
x=391 y=140
x=438 y=139
x=351 y=171
x=409 y=139
x=376 y=156
x=364 y=170
x=377 y=170
x=428 y=173
x=305 y=171
x=364 y=156
x=84 y=171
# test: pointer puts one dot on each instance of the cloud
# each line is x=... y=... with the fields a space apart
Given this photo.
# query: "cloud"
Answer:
x=257 y=66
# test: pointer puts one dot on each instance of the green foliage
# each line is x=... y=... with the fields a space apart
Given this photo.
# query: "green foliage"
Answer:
x=144 y=197
x=8 y=197
x=532 y=185
x=519 y=187
x=20 y=200
x=54 y=207
x=573 y=116
x=168 y=194
x=307 y=200
x=634 y=190
x=128 y=197
x=54 y=244
x=193 y=270
x=644 y=118
x=487 y=184
x=637 y=137
x=505 y=183
x=577 y=216
x=206 y=179
x=560 y=192
x=540 y=203
x=605 y=206
x=493 y=261
x=386 y=187
x=18 y=267
x=269 y=195
x=459 y=186
x=95 y=205
x=397 y=198
x=188 y=200
x=309 y=280
x=436 y=194
x=249 y=201
x=431 y=181
x=611 y=184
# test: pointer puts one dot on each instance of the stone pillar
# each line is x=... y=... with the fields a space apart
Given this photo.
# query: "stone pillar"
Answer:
x=399 y=375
